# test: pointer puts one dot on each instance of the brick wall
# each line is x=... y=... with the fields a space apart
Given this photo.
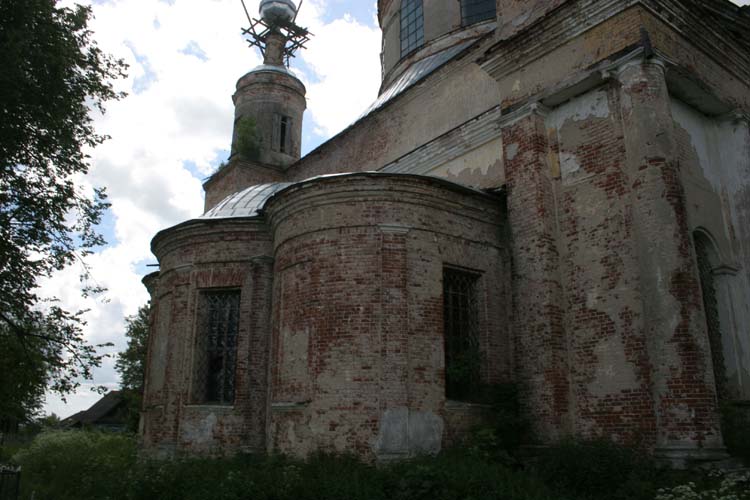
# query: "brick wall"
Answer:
x=196 y=257
x=358 y=346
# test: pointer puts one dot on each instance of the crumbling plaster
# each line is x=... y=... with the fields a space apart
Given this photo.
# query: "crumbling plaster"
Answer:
x=715 y=159
x=463 y=91
x=609 y=136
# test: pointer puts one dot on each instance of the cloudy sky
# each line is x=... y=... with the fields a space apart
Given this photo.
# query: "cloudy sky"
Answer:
x=174 y=128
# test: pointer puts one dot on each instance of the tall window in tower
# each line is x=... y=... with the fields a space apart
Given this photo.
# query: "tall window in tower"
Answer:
x=474 y=11
x=412 y=26
x=282 y=134
x=461 y=335
x=216 y=347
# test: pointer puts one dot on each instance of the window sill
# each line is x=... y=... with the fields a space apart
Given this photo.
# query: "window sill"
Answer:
x=210 y=407
x=289 y=406
x=454 y=405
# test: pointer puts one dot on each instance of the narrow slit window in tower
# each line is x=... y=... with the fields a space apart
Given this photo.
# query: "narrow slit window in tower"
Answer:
x=284 y=134
x=474 y=11
x=412 y=26
x=216 y=347
x=461 y=335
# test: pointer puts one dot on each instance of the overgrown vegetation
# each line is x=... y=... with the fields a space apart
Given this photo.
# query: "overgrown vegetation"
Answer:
x=248 y=140
x=724 y=486
x=500 y=439
x=74 y=465
x=735 y=424
x=599 y=469
x=65 y=465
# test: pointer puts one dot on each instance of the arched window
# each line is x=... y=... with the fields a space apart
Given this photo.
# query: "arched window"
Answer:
x=412 y=26
x=474 y=11
x=706 y=257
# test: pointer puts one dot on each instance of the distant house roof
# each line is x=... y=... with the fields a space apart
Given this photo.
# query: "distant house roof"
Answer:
x=107 y=412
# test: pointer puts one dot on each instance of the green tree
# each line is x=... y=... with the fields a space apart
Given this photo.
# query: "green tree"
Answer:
x=131 y=363
x=52 y=75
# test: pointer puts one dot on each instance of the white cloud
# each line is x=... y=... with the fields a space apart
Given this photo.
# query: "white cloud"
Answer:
x=344 y=57
x=185 y=58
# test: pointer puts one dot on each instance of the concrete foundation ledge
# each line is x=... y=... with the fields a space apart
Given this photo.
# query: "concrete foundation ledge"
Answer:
x=689 y=457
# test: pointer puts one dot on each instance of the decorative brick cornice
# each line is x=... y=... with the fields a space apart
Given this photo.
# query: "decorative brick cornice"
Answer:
x=530 y=108
x=453 y=144
x=577 y=17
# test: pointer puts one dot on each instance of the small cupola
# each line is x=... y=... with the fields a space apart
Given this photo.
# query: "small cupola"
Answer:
x=270 y=99
x=269 y=104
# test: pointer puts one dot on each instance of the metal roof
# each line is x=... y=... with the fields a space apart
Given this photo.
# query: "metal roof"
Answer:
x=415 y=73
x=246 y=203
x=274 y=68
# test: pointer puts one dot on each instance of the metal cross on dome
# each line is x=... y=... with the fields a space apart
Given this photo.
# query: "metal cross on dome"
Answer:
x=276 y=16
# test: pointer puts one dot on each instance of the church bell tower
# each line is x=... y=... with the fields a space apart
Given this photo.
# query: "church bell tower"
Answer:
x=270 y=99
x=269 y=104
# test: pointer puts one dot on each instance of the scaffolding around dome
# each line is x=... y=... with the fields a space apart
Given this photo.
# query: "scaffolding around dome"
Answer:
x=277 y=16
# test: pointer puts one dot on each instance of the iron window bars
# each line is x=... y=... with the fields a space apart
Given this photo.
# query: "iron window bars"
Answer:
x=216 y=347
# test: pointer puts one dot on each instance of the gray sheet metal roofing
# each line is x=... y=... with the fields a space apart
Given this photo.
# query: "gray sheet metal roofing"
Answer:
x=246 y=203
x=415 y=73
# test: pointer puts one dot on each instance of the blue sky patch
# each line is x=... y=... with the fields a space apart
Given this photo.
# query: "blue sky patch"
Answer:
x=143 y=82
x=362 y=11
x=193 y=49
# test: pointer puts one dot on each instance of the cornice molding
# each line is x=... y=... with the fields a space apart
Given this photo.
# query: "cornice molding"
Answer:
x=579 y=16
x=533 y=107
x=453 y=144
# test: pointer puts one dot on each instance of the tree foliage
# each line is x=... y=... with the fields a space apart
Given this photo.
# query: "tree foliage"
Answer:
x=131 y=363
x=52 y=75
x=24 y=378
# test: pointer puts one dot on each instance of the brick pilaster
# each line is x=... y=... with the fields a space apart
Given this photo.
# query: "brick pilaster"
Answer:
x=673 y=318
x=541 y=351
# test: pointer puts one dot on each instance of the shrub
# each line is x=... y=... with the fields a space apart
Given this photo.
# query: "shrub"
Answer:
x=506 y=429
x=248 y=142
x=61 y=465
x=735 y=422
x=598 y=469
x=95 y=466
x=731 y=486
x=456 y=475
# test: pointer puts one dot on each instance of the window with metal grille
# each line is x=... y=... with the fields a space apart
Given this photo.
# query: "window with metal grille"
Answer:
x=474 y=11
x=412 y=26
x=461 y=331
x=216 y=347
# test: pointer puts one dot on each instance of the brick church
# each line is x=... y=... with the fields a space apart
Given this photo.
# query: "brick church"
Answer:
x=553 y=194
